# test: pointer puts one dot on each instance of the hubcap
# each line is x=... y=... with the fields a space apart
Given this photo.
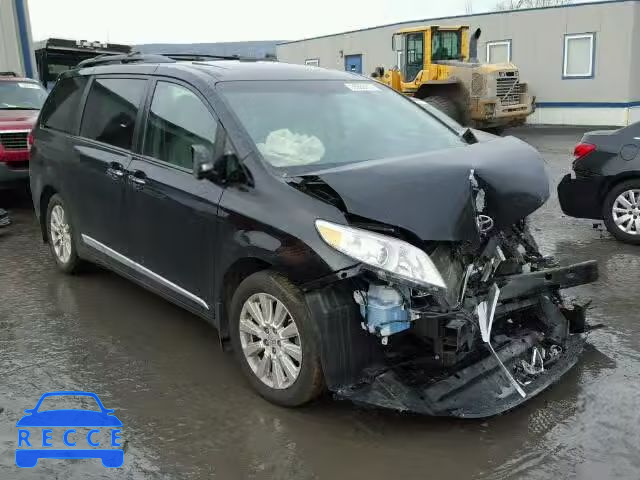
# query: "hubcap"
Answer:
x=270 y=341
x=626 y=212
x=60 y=234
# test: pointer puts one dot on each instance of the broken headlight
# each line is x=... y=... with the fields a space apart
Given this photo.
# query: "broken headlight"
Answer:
x=382 y=252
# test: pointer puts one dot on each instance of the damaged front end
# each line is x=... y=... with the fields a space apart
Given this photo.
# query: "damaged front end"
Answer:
x=491 y=332
x=497 y=335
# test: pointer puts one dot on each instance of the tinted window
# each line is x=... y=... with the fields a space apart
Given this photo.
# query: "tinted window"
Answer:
x=446 y=45
x=177 y=120
x=414 y=54
x=60 y=109
x=111 y=110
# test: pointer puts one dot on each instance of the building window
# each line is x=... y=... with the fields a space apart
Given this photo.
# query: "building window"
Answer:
x=313 y=62
x=499 y=52
x=578 y=55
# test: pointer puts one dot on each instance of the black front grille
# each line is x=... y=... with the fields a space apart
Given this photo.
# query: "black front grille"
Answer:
x=508 y=90
x=14 y=140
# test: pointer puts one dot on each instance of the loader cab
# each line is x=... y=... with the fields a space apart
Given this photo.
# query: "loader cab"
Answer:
x=417 y=48
x=446 y=44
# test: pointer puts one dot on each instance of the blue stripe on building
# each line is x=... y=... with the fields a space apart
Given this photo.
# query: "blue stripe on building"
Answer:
x=587 y=104
x=24 y=37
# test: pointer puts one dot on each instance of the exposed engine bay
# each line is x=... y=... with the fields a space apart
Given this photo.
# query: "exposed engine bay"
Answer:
x=498 y=334
x=493 y=335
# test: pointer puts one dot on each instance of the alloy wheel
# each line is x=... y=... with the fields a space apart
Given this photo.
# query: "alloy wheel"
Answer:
x=60 y=234
x=270 y=341
x=626 y=212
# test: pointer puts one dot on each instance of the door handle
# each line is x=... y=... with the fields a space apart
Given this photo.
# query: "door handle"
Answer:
x=115 y=170
x=137 y=179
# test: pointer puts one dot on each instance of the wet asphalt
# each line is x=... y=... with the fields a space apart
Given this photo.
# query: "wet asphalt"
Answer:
x=188 y=413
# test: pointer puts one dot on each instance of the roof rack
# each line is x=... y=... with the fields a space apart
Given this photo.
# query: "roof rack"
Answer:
x=8 y=74
x=137 y=57
x=134 y=57
x=199 y=56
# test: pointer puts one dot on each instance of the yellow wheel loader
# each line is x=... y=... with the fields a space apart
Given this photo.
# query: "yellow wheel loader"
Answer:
x=440 y=66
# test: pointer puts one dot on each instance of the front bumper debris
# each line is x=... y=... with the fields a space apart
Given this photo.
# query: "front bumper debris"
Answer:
x=477 y=391
x=536 y=339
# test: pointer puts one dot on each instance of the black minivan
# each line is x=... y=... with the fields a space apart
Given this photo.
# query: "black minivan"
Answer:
x=338 y=235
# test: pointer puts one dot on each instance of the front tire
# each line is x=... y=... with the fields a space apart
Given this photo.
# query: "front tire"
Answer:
x=621 y=211
x=275 y=340
x=60 y=234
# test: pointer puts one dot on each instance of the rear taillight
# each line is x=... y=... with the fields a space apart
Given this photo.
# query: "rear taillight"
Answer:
x=582 y=149
x=30 y=140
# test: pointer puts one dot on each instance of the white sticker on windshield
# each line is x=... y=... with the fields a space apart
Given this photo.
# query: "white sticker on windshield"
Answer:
x=362 y=87
x=29 y=85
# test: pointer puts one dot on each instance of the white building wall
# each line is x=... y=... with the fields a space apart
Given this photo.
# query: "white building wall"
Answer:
x=537 y=40
x=13 y=57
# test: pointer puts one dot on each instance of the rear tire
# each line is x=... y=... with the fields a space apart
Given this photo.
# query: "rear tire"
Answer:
x=267 y=351
x=621 y=211
x=446 y=105
x=61 y=236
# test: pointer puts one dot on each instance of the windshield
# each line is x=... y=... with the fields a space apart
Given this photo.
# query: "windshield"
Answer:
x=305 y=124
x=21 y=96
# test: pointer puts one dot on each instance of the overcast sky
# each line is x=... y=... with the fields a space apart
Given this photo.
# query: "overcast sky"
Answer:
x=194 y=21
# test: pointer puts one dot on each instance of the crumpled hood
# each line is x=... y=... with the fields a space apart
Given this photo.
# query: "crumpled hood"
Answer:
x=431 y=194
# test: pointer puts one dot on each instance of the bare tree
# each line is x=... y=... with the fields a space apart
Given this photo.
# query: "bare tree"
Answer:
x=518 y=4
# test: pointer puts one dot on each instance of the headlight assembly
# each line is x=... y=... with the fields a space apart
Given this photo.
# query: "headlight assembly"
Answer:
x=382 y=252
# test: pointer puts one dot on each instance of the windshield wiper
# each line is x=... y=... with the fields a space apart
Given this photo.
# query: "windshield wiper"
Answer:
x=19 y=108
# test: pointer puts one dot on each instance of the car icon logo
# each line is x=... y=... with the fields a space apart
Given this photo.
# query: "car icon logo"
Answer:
x=35 y=433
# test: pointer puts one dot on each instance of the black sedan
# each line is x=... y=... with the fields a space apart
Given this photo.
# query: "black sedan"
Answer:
x=605 y=184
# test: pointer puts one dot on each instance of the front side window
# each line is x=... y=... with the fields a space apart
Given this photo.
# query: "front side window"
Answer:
x=177 y=121
x=111 y=110
x=578 y=55
x=61 y=108
x=306 y=125
x=499 y=52
x=414 y=55
x=445 y=45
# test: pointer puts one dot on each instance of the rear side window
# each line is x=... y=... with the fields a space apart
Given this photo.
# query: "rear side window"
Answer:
x=60 y=109
x=178 y=120
x=111 y=110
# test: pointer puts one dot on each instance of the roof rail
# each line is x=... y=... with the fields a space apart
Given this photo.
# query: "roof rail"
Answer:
x=199 y=56
x=134 y=57
x=8 y=74
x=137 y=57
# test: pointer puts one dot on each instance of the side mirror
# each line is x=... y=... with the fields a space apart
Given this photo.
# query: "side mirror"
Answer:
x=397 y=42
x=203 y=164
x=477 y=34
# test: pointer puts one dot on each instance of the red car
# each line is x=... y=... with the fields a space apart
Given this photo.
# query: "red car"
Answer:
x=20 y=103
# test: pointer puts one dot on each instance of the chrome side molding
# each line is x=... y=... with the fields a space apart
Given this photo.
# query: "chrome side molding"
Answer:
x=101 y=247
